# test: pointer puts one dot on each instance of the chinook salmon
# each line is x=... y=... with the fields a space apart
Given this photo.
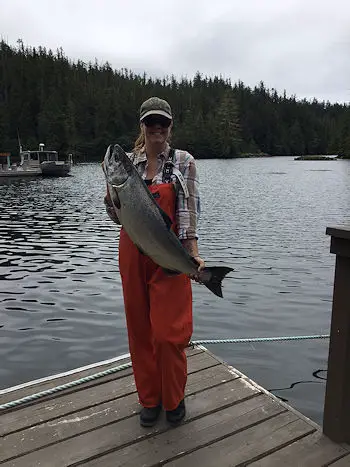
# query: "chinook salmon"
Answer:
x=147 y=225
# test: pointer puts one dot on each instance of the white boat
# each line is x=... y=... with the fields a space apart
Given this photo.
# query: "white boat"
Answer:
x=35 y=163
x=49 y=163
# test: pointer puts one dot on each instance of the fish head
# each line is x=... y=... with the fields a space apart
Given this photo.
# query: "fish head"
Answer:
x=117 y=166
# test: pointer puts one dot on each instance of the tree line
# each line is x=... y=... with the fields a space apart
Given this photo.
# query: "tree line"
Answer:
x=80 y=108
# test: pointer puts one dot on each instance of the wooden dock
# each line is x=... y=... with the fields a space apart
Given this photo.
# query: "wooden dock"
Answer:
x=231 y=421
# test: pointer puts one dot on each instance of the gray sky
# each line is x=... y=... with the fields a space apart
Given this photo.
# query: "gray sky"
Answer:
x=302 y=46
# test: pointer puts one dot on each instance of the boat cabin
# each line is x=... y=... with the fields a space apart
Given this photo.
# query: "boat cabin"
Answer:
x=37 y=157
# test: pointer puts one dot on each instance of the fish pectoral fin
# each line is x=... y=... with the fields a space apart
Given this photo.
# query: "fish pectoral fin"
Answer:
x=170 y=272
x=166 y=218
x=113 y=196
x=115 y=201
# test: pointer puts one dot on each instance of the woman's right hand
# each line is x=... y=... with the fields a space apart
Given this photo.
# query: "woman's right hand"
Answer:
x=201 y=266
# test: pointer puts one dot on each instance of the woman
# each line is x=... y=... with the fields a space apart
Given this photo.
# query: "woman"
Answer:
x=158 y=307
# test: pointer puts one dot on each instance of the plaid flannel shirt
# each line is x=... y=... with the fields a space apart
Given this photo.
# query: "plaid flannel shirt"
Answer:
x=187 y=209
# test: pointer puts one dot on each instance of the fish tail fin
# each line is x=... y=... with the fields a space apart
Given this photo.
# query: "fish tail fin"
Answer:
x=217 y=274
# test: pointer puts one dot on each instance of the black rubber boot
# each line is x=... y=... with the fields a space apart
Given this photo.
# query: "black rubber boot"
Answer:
x=175 y=417
x=149 y=415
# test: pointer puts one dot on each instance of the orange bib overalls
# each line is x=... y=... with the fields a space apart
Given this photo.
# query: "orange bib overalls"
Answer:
x=158 y=311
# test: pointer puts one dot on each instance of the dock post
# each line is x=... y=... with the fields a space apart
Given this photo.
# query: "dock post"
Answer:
x=336 y=420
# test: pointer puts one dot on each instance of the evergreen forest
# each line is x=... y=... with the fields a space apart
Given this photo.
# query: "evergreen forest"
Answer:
x=80 y=108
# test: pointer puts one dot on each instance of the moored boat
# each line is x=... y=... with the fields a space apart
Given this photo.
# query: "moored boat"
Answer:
x=28 y=167
x=55 y=168
x=49 y=162
x=35 y=163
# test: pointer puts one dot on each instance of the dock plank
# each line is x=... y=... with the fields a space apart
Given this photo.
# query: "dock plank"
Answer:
x=54 y=431
x=70 y=402
x=230 y=421
x=312 y=451
x=135 y=454
x=344 y=462
x=66 y=404
x=172 y=443
x=246 y=446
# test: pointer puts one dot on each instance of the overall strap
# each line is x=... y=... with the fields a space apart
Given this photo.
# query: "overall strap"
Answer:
x=169 y=169
x=169 y=166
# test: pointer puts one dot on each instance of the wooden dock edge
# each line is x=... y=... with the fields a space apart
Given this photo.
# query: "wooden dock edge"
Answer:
x=257 y=386
x=31 y=387
x=101 y=365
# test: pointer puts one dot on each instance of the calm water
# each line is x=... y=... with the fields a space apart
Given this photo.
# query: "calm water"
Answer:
x=60 y=290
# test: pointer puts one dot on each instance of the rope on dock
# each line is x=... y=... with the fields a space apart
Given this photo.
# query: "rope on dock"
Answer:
x=248 y=340
x=62 y=387
x=110 y=371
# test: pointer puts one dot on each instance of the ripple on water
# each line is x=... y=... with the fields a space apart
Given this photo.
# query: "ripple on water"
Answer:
x=60 y=289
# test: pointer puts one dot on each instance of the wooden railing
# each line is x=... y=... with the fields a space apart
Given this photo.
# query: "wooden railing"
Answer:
x=336 y=421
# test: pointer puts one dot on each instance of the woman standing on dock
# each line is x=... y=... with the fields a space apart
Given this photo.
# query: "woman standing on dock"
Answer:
x=158 y=306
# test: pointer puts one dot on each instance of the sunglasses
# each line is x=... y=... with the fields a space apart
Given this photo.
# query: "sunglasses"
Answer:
x=157 y=120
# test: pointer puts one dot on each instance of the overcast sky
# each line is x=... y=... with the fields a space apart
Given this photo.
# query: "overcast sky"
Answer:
x=302 y=46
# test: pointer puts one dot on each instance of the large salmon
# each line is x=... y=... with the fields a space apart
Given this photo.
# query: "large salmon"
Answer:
x=148 y=226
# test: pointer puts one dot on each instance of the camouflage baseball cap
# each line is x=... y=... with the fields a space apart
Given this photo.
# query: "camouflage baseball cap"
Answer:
x=155 y=106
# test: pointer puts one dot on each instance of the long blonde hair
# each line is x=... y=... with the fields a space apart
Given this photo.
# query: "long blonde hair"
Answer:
x=141 y=141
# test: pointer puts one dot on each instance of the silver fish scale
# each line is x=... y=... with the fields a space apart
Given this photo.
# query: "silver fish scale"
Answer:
x=144 y=223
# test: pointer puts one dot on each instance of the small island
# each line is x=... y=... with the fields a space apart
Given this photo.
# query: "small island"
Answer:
x=316 y=158
x=247 y=155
